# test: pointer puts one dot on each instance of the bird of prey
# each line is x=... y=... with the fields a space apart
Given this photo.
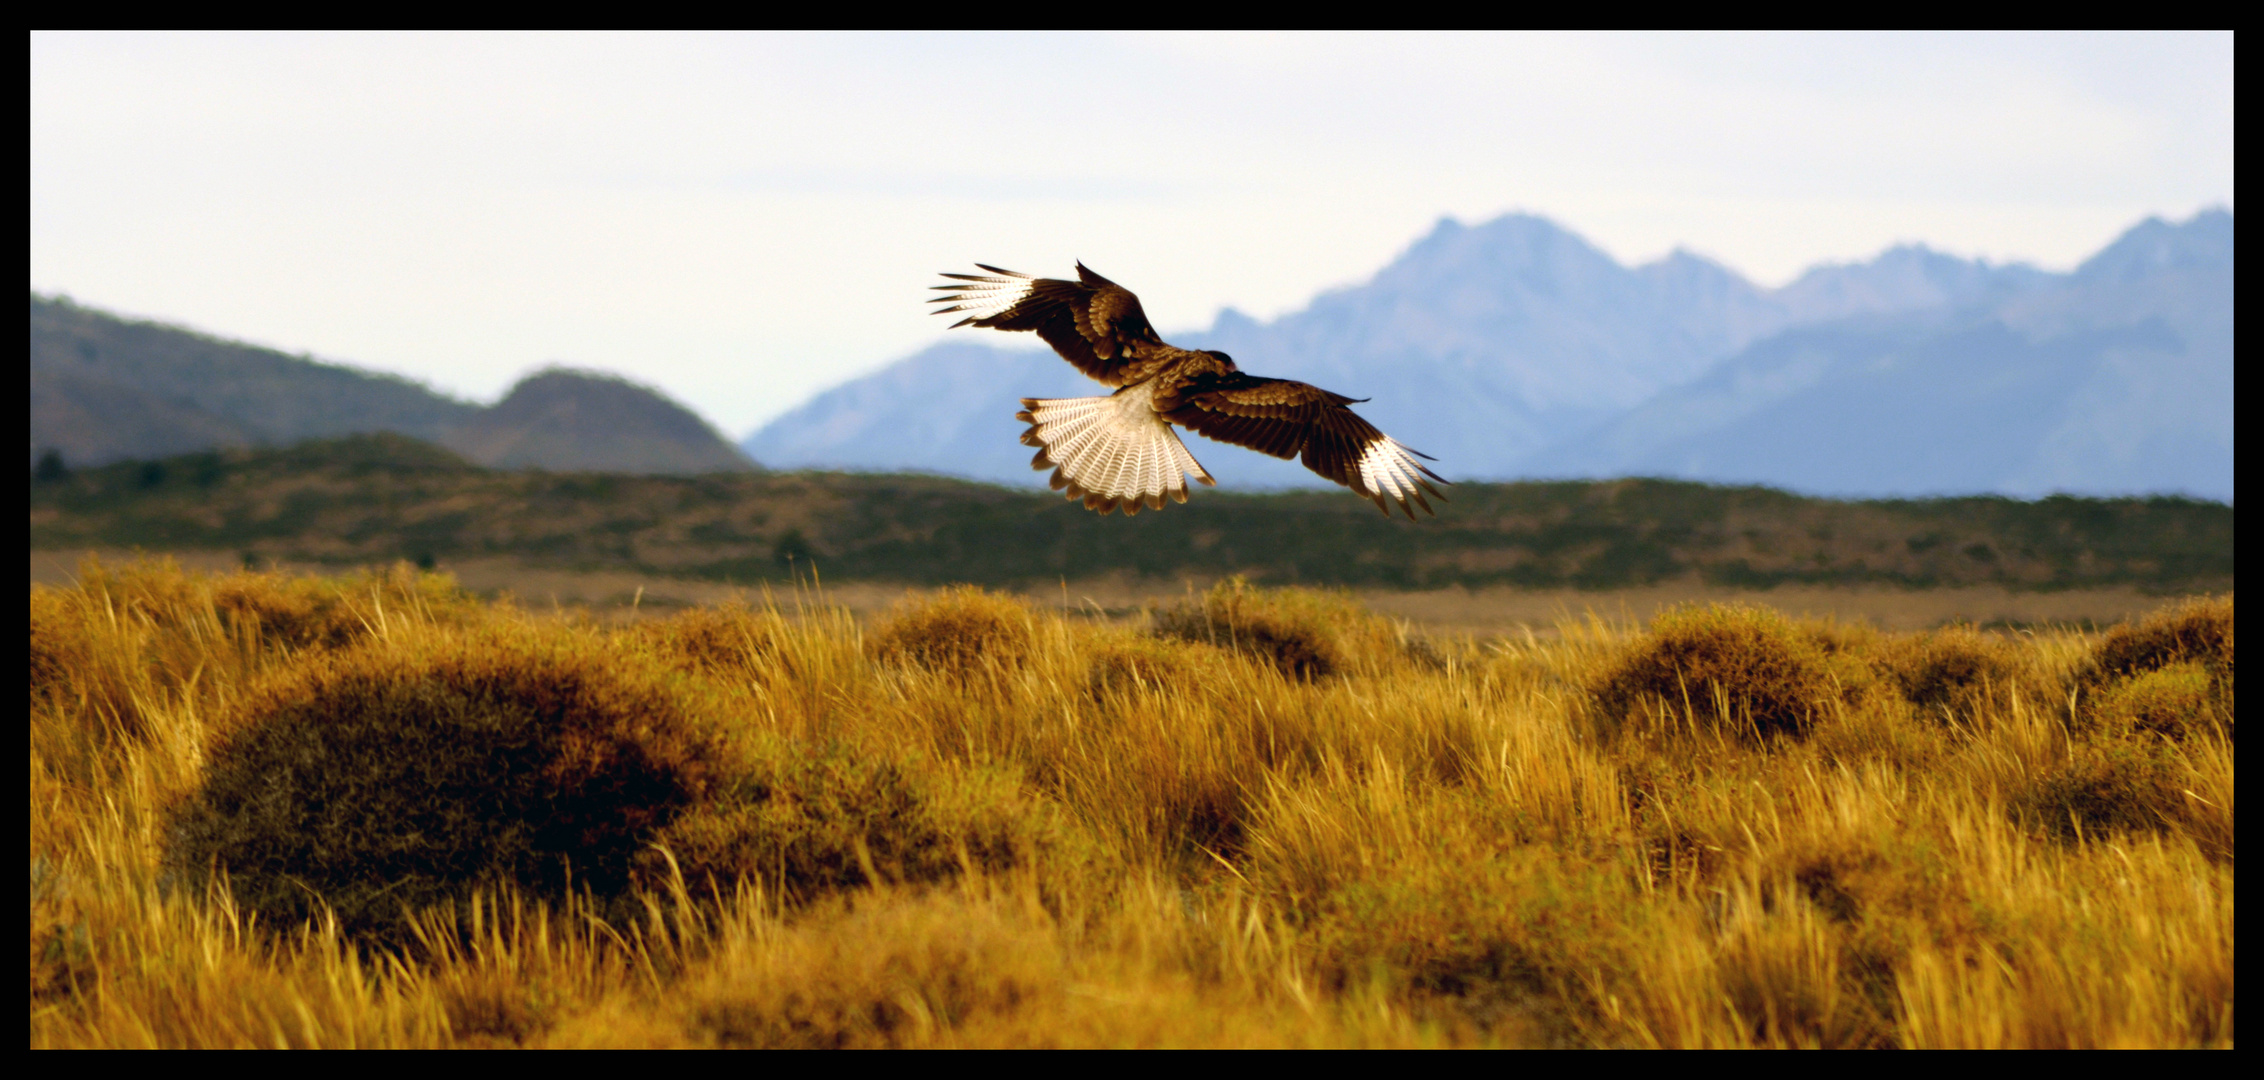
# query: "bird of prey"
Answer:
x=1120 y=451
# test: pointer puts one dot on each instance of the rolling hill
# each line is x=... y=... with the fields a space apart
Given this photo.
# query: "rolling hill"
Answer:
x=106 y=389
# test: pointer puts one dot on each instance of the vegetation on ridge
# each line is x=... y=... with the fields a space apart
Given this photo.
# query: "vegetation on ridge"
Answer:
x=376 y=499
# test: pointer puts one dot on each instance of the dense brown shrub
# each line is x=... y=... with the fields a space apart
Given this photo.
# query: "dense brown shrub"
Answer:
x=2170 y=673
x=1748 y=669
x=707 y=640
x=959 y=630
x=293 y=612
x=1124 y=662
x=1836 y=638
x=2199 y=629
x=1957 y=668
x=1305 y=633
x=2177 y=701
x=2112 y=786
x=805 y=821
x=383 y=779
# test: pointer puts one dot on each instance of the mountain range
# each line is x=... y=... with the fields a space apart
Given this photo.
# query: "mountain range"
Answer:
x=1512 y=349
x=107 y=389
x=1517 y=349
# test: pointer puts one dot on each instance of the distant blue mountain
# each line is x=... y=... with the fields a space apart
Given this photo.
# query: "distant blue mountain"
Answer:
x=2115 y=379
x=948 y=408
x=1516 y=348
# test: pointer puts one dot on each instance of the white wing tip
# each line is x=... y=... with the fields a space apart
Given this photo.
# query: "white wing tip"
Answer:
x=1387 y=469
x=981 y=296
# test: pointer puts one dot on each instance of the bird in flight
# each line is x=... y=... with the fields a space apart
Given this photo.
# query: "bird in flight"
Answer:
x=1119 y=450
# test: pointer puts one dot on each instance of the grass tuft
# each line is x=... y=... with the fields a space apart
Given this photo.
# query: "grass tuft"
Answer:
x=805 y=822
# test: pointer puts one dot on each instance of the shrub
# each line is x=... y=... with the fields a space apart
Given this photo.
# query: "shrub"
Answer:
x=296 y=613
x=2199 y=629
x=1836 y=638
x=1955 y=668
x=2175 y=701
x=809 y=821
x=1123 y=662
x=1305 y=633
x=2168 y=673
x=958 y=631
x=56 y=641
x=2112 y=786
x=706 y=640
x=381 y=780
x=1746 y=668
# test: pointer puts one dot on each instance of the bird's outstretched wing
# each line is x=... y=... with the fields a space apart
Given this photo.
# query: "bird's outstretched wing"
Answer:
x=1293 y=419
x=1092 y=322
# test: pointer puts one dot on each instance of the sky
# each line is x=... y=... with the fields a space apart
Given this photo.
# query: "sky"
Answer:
x=745 y=220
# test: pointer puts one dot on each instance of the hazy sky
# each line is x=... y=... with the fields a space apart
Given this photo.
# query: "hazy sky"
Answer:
x=743 y=220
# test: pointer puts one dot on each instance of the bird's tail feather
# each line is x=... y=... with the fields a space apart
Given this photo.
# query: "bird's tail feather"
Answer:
x=1111 y=451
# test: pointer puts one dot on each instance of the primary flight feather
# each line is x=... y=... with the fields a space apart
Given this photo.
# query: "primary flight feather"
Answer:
x=1120 y=450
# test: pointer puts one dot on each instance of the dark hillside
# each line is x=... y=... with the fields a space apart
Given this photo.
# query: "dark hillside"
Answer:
x=105 y=389
x=384 y=498
x=228 y=391
x=572 y=420
x=92 y=420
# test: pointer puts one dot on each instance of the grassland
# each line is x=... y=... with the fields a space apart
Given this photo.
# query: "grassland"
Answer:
x=377 y=811
x=377 y=499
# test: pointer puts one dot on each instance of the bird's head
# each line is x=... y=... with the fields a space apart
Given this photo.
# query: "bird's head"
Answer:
x=1221 y=358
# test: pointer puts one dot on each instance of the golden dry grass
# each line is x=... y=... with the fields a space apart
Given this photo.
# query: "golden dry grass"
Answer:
x=983 y=824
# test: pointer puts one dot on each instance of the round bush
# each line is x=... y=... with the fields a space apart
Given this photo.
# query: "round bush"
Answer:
x=1770 y=676
x=2199 y=629
x=1123 y=662
x=384 y=779
x=1304 y=633
x=713 y=639
x=2118 y=785
x=2175 y=701
x=1957 y=668
x=959 y=631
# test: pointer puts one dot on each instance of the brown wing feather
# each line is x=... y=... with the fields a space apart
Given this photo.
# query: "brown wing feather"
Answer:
x=1271 y=416
x=1094 y=323
x=1287 y=419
